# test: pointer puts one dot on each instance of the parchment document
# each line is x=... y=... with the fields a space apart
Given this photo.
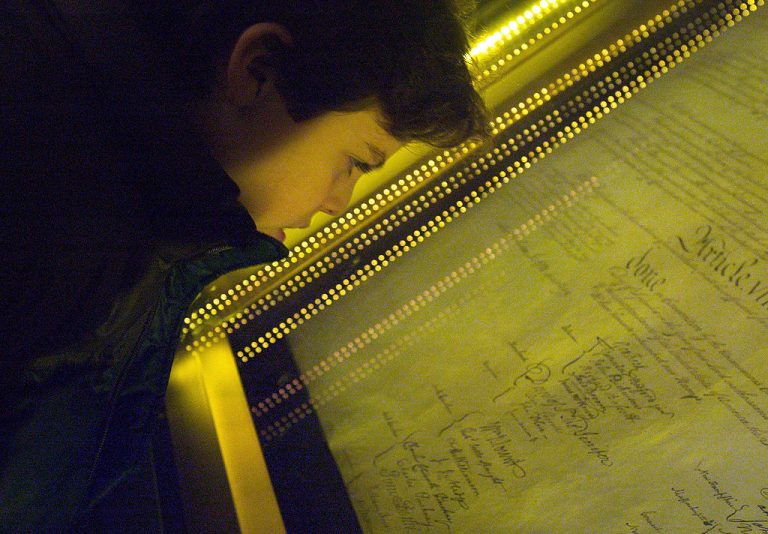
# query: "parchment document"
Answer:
x=587 y=349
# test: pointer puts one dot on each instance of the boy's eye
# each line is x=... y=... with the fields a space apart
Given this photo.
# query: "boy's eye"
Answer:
x=362 y=166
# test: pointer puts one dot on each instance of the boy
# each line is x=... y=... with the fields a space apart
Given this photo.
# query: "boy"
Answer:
x=149 y=148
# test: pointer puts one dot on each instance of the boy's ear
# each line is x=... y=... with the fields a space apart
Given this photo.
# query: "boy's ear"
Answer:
x=251 y=64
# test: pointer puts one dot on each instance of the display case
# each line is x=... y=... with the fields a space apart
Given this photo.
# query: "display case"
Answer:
x=561 y=329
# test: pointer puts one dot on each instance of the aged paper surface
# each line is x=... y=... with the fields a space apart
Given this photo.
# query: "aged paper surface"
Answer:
x=586 y=350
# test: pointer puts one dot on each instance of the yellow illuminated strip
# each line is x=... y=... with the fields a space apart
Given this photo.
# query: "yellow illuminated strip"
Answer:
x=517 y=25
x=667 y=55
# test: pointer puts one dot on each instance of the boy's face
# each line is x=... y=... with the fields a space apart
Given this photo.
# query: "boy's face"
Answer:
x=286 y=171
x=306 y=167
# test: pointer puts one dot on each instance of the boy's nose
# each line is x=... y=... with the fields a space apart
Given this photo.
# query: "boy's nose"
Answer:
x=337 y=201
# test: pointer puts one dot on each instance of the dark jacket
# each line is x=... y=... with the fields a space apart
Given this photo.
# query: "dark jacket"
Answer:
x=113 y=216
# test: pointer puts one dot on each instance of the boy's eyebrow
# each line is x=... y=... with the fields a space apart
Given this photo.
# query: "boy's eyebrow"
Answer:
x=377 y=156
